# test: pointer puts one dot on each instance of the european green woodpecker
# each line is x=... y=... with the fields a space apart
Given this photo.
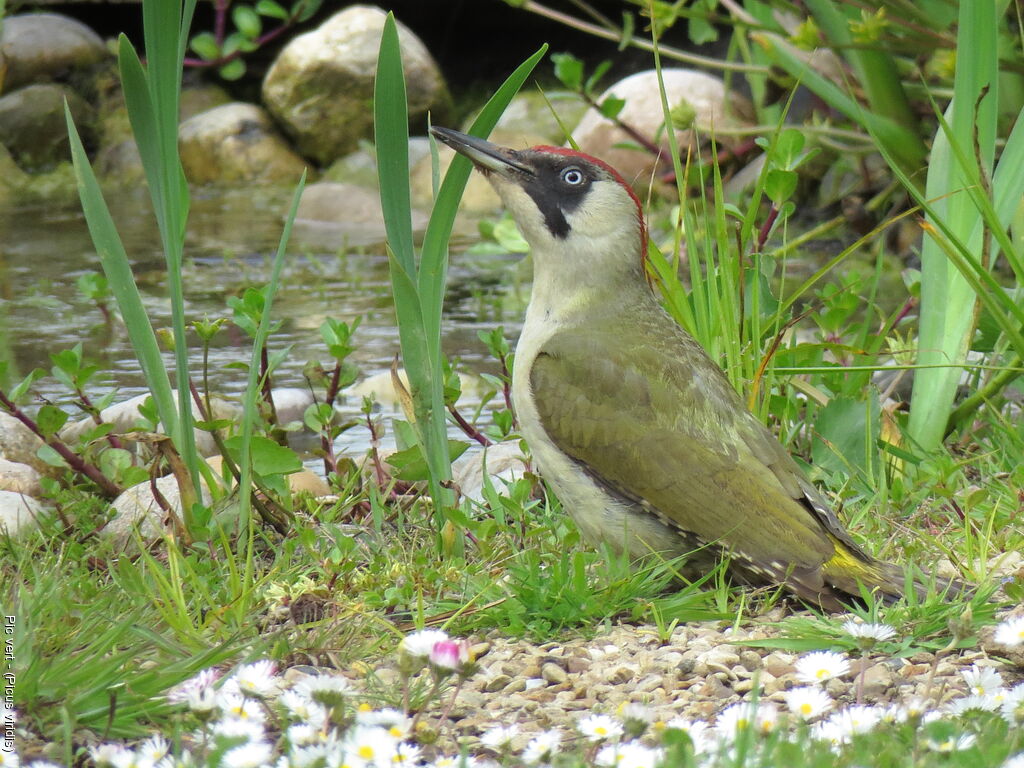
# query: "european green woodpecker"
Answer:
x=638 y=432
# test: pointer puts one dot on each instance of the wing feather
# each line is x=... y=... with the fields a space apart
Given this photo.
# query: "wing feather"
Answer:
x=665 y=430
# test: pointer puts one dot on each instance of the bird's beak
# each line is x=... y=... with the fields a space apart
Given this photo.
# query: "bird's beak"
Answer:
x=485 y=155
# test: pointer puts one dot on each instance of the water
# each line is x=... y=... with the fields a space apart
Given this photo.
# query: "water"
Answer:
x=232 y=238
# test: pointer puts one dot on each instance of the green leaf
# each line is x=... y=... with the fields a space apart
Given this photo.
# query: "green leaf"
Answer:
x=612 y=106
x=268 y=457
x=411 y=466
x=233 y=70
x=779 y=185
x=568 y=70
x=846 y=436
x=318 y=416
x=205 y=45
x=271 y=9
x=50 y=419
x=247 y=20
x=50 y=457
x=595 y=78
x=304 y=10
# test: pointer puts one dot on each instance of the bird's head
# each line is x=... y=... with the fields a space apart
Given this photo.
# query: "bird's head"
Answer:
x=573 y=209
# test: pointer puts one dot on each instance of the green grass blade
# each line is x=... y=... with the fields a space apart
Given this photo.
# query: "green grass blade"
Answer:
x=152 y=99
x=876 y=69
x=116 y=267
x=947 y=298
x=391 y=135
x=903 y=144
x=418 y=289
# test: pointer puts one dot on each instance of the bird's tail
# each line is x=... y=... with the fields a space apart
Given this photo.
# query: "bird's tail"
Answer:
x=849 y=571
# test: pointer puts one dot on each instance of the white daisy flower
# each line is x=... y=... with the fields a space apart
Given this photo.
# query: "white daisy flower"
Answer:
x=982 y=680
x=234 y=705
x=420 y=644
x=499 y=738
x=736 y=719
x=303 y=734
x=767 y=717
x=303 y=709
x=974 y=703
x=255 y=754
x=542 y=747
x=329 y=690
x=1013 y=705
x=857 y=719
x=9 y=759
x=807 y=701
x=819 y=666
x=1010 y=632
x=315 y=754
x=256 y=680
x=152 y=750
x=599 y=728
x=952 y=743
x=697 y=730
x=371 y=744
x=865 y=630
x=197 y=693
x=830 y=732
x=1017 y=761
x=114 y=755
x=405 y=754
x=633 y=754
x=394 y=721
x=237 y=727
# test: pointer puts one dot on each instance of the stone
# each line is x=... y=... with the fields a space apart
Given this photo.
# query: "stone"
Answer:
x=19 y=478
x=501 y=463
x=19 y=513
x=479 y=197
x=13 y=180
x=125 y=417
x=19 y=443
x=779 y=664
x=703 y=95
x=360 y=167
x=33 y=126
x=876 y=681
x=137 y=508
x=335 y=214
x=320 y=87
x=553 y=673
x=236 y=142
x=45 y=46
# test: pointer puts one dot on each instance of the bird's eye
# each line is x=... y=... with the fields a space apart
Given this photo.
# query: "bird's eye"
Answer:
x=573 y=176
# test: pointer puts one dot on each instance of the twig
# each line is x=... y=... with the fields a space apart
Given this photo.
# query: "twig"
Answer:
x=76 y=462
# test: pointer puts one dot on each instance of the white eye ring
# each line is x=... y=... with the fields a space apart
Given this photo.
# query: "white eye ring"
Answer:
x=573 y=176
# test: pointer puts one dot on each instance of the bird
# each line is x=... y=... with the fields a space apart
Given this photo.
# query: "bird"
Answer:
x=638 y=432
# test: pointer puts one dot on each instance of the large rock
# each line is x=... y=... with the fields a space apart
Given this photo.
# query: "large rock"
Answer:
x=45 y=46
x=19 y=478
x=33 y=127
x=479 y=197
x=236 y=142
x=332 y=215
x=703 y=95
x=320 y=88
x=19 y=513
x=19 y=443
x=499 y=463
x=125 y=417
x=137 y=508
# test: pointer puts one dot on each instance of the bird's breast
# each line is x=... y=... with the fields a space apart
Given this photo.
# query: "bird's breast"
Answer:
x=600 y=516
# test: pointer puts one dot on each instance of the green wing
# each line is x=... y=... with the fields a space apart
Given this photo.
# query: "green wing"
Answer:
x=659 y=425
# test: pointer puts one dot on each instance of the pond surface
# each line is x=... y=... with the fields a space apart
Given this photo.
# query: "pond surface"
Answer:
x=233 y=236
